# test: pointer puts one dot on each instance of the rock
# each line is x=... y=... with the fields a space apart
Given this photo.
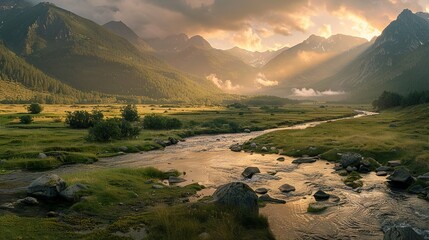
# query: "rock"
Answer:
x=381 y=173
x=394 y=163
x=416 y=189
x=286 y=188
x=42 y=156
x=261 y=190
x=316 y=207
x=401 y=178
x=73 y=192
x=247 y=130
x=123 y=148
x=52 y=214
x=172 y=179
x=29 y=201
x=304 y=160
x=272 y=172
x=350 y=159
x=7 y=206
x=424 y=177
x=253 y=145
x=173 y=141
x=383 y=169
x=157 y=186
x=351 y=169
x=338 y=167
x=47 y=186
x=365 y=162
x=342 y=172
x=321 y=196
x=235 y=148
x=150 y=181
x=269 y=199
x=237 y=195
x=160 y=142
x=250 y=171
x=273 y=148
x=364 y=169
x=281 y=159
x=402 y=233
x=204 y=236
x=265 y=149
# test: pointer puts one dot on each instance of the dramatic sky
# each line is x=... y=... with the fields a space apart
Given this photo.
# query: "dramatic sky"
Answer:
x=250 y=24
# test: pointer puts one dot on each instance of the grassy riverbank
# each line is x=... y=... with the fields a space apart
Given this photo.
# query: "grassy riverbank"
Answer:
x=396 y=134
x=20 y=144
x=122 y=203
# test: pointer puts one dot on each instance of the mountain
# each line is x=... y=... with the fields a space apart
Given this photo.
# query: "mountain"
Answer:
x=397 y=61
x=255 y=59
x=20 y=81
x=196 y=56
x=88 y=57
x=177 y=43
x=312 y=52
x=119 y=28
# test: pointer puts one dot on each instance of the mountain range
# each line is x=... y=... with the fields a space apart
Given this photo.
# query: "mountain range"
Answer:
x=51 y=53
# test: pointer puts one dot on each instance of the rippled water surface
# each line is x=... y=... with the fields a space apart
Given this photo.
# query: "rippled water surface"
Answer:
x=208 y=161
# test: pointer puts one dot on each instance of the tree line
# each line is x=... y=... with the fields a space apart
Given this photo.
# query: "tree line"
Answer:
x=390 y=99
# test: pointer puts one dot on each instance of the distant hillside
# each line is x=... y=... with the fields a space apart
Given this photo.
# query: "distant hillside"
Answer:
x=196 y=56
x=20 y=81
x=88 y=57
x=120 y=29
x=397 y=61
x=255 y=59
x=288 y=65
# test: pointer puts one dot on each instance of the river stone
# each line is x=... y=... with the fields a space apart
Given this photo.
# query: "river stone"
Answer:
x=286 y=188
x=73 y=192
x=381 y=173
x=261 y=190
x=424 y=177
x=250 y=171
x=364 y=169
x=366 y=162
x=269 y=199
x=272 y=172
x=351 y=169
x=172 y=179
x=265 y=149
x=401 y=178
x=304 y=160
x=383 y=169
x=47 y=186
x=123 y=148
x=157 y=186
x=173 y=141
x=247 y=130
x=281 y=159
x=321 y=196
x=204 y=236
x=316 y=207
x=7 y=206
x=253 y=145
x=416 y=189
x=235 y=148
x=394 y=163
x=42 y=156
x=350 y=159
x=238 y=196
x=29 y=201
x=402 y=233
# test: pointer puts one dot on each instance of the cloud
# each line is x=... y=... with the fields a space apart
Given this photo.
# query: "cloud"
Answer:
x=309 y=92
x=325 y=30
x=262 y=81
x=247 y=39
x=224 y=85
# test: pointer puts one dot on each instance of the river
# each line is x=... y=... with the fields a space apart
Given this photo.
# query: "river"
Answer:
x=208 y=161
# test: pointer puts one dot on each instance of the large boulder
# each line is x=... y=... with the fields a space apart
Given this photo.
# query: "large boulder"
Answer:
x=250 y=171
x=401 y=178
x=237 y=195
x=47 y=186
x=73 y=192
x=173 y=180
x=402 y=233
x=350 y=159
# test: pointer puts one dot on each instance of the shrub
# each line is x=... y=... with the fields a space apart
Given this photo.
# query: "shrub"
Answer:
x=130 y=113
x=83 y=119
x=113 y=129
x=26 y=119
x=35 y=108
x=158 y=122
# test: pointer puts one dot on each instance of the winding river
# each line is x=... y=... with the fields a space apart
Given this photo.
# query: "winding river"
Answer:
x=208 y=161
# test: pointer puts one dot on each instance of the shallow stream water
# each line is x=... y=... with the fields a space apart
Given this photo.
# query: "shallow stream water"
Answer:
x=208 y=161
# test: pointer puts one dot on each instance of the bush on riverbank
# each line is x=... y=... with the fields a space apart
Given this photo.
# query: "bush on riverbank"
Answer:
x=159 y=122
